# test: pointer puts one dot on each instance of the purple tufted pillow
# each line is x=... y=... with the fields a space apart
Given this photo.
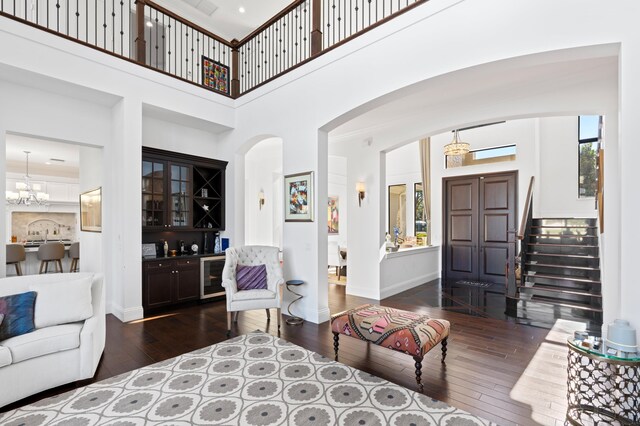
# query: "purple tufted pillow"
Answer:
x=251 y=277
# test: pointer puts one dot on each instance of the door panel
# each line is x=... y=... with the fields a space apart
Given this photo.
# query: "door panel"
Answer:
x=497 y=213
x=462 y=196
x=479 y=212
x=493 y=261
x=496 y=227
x=462 y=230
x=496 y=194
x=461 y=259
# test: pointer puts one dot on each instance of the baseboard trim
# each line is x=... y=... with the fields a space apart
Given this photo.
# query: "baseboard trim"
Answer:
x=368 y=293
x=129 y=314
x=407 y=284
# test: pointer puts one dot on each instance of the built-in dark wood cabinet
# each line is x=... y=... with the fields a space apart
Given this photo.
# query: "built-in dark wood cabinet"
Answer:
x=182 y=191
x=183 y=200
x=169 y=281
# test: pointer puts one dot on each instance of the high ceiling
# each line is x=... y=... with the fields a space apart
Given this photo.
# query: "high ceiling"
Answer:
x=223 y=17
x=47 y=158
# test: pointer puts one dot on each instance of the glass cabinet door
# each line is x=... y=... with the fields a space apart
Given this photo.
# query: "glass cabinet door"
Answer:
x=180 y=184
x=153 y=193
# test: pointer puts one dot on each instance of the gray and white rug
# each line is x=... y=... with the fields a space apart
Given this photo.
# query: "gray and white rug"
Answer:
x=254 y=379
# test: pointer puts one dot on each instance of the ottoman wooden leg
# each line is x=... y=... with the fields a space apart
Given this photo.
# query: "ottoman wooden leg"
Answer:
x=336 y=342
x=418 y=360
x=444 y=348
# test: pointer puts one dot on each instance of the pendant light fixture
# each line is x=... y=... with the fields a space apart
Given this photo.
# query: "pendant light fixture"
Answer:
x=456 y=147
x=27 y=193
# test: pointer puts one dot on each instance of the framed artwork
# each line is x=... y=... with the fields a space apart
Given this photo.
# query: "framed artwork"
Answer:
x=215 y=75
x=333 y=218
x=298 y=197
x=91 y=211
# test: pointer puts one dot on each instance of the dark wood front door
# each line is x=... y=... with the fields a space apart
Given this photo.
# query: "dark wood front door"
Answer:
x=479 y=212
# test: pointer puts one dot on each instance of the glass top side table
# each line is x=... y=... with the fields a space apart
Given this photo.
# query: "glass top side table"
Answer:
x=601 y=388
x=294 y=320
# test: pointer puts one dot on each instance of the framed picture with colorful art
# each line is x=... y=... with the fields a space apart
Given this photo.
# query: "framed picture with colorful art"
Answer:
x=298 y=197
x=215 y=75
x=333 y=216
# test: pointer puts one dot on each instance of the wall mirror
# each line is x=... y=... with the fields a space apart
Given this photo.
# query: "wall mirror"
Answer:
x=398 y=209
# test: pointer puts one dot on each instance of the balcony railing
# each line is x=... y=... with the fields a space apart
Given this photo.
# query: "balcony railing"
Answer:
x=152 y=36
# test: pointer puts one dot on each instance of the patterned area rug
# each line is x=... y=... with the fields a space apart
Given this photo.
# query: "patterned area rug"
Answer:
x=474 y=283
x=254 y=379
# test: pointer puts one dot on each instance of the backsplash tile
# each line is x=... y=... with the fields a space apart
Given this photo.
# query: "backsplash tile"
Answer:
x=34 y=225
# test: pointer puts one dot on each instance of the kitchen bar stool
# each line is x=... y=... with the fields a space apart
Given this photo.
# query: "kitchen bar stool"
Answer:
x=74 y=254
x=15 y=255
x=50 y=252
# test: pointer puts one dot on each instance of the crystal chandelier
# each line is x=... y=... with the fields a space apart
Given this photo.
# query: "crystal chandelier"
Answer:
x=27 y=193
x=456 y=147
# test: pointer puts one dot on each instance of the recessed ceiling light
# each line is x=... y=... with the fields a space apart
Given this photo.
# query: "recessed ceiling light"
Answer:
x=149 y=24
x=241 y=9
x=48 y=163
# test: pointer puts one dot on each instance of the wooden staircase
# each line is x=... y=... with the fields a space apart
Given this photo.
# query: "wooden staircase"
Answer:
x=560 y=265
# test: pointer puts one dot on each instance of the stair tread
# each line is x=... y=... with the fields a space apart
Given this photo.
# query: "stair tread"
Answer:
x=552 y=301
x=578 y=256
x=561 y=290
x=552 y=265
x=563 y=235
x=562 y=245
x=565 y=226
x=562 y=277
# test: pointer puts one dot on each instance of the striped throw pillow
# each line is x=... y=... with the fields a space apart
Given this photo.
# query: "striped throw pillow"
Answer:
x=251 y=277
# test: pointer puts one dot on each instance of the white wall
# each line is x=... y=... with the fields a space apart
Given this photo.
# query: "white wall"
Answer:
x=263 y=172
x=92 y=255
x=171 y=136
x=403 y=168
x=556 y=192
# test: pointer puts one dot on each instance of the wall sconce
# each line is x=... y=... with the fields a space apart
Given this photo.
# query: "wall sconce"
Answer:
x=261 y=199
x=360 y=189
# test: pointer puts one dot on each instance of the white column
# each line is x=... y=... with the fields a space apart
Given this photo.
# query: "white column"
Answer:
x=629 y=155
x=3 y=210
x=121 y=205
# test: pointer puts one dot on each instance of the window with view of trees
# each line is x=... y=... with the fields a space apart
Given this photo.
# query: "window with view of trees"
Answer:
x=588 y=145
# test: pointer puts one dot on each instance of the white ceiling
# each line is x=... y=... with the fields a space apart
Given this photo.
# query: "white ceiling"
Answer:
x=223 y=18
x=42 y=151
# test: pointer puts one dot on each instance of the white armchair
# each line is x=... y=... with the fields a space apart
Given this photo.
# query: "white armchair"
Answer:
x=334 y=258
x=247 y=300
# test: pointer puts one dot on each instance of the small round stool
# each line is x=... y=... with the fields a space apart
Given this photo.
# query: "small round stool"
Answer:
x=294 y=320
x=51 y=252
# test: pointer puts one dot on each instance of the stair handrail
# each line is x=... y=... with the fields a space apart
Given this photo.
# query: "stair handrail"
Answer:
x=523 y=236
x=527 y=210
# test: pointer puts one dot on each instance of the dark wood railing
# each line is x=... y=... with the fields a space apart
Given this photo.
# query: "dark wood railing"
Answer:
x=178 y=47
x=523 y=237
x=154 y=37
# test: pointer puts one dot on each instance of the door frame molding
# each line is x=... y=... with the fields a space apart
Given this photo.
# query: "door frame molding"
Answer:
x=445 y=222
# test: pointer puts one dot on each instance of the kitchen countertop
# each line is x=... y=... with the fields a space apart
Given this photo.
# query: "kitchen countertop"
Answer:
x=187 y=256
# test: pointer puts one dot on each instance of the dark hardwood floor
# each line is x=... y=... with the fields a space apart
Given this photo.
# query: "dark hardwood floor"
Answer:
x=499 y=369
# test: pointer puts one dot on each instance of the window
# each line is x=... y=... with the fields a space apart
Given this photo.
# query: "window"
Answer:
x=588 y=144
x=420 y=224
x=482 y=156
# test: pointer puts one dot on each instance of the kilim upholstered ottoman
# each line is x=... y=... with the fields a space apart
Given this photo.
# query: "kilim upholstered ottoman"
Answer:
x=408 y=332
